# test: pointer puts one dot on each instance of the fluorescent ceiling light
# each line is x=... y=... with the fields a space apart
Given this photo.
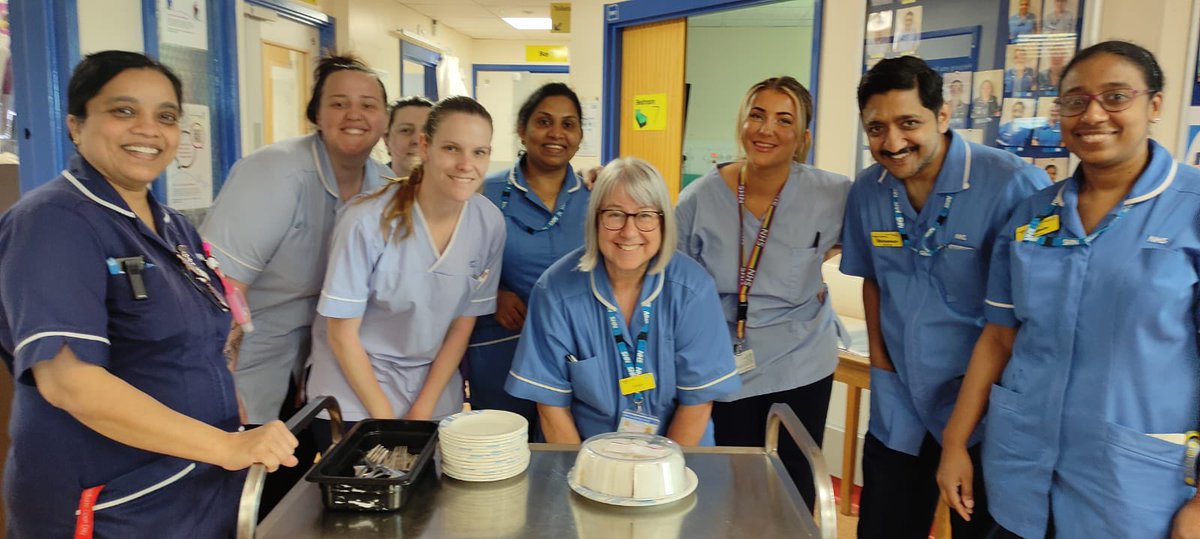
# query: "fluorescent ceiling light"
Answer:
x=528 y=23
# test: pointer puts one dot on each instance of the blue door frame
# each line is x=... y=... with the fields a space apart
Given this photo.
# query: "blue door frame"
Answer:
x=618 y=17
x=45 y=49
x=425 y=57
x=527 y=68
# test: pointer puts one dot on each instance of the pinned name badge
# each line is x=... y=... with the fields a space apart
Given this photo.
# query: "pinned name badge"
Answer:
x=1158 y=240
x=481 y=278
x=1048 y=224
x=744 y=360
x=632 y=421
x=887 y=239
x=637 y=384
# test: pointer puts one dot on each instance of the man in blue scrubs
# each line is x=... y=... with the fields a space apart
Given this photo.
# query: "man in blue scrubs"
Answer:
x=919 y=227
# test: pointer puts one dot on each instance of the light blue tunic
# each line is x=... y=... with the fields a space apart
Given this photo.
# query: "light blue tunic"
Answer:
x=793 y=335
x=407 y=295
x=269 y=228
x=931 y=307
x=526 y=256
x=1105 y=355
x=687 y=349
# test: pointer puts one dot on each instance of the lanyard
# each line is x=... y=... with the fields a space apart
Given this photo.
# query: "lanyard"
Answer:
x=748 y=268
x=923 y=248
x=636 y=365
x=554 y=219
x=1057 y=241
x=199 y=278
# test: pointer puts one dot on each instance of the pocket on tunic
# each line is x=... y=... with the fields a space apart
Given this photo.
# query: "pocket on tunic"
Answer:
x=802 y=273
x=893 y=420
x=593 y=384
x=142 y=496
x=960 y=275
x=1142 y=484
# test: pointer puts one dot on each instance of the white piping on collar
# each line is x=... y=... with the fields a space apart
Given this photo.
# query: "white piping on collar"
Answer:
x=649 y=299
x=1162 y=186
x=512 y=178
x=71 y=178
x=966 y=182
x=578 y=183
x=418 y=214
x=1058 y=197
x=320 y=169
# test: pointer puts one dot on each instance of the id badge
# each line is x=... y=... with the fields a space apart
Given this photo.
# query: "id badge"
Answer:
x=887 y=239
x=632 y=421
x=1049 y=224
x=637 y=384
x=744 y=360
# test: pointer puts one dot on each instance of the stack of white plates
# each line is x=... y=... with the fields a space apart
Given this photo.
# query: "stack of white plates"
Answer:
x=484 y=445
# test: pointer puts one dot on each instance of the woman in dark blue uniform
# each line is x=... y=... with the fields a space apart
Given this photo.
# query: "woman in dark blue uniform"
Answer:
x=124 y=417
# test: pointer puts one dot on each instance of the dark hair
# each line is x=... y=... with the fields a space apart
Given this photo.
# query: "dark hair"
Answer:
x=410 y=101
x=550 y=89
x=1050 y=166
x=1135 y=54
x=329 y=65
x=399 y=208
x=903 y=73
x=98 y=68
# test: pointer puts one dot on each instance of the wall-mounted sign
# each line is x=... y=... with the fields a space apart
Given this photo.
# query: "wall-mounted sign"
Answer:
x=554 y=54
x=560 y=17
x=650 y=112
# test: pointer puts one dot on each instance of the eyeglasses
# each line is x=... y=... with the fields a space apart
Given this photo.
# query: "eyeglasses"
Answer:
x=646 y=221
x=1111 y=101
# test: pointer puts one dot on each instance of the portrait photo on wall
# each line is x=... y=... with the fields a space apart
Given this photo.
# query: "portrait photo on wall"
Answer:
x=1052 y=58
x=1055 y=167
x=1016 y=122
x=879 y=33
x=956 y=90
x=986 y=103
x=1020 y=70
x=1048 y=128
x=906 y=36
x=1060 y=16
x=1023 y=17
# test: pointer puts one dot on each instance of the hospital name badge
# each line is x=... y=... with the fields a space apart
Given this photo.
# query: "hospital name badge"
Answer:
x=1047 y=225
x=637 y=384
x=887 y=239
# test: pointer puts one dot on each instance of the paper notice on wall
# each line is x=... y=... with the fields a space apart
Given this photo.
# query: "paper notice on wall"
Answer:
x=184 y=23
x=590 y=145
x=285 y=103
x=189 y=177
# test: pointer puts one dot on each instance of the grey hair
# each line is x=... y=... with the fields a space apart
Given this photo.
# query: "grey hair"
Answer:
x=644 y=185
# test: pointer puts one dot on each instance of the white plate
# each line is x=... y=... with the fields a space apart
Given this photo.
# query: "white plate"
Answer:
x=480 y=425
x=485 y=467
x=692 y=483
x=498 y=475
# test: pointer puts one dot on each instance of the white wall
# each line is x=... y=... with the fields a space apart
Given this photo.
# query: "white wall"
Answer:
x=506 y=51
x=587 y=61
x=836 y=132
x=110 y=25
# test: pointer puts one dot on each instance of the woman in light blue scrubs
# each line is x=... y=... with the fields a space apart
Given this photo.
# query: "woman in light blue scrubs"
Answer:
x=543 y=203
x=1088 y=367
x=410 y=268
x=783 y=329
x=624 y=333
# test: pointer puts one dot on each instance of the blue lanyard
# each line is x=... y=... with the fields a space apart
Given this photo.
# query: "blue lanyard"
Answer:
x=554 y=219
x=922 y=249
x=1056 y=240
x=636 y=365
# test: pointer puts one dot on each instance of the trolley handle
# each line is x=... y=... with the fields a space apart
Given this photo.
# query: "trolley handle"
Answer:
x=824 y=514
x=247 y=520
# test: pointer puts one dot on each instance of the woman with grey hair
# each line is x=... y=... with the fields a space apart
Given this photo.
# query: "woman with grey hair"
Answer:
x=625 y=333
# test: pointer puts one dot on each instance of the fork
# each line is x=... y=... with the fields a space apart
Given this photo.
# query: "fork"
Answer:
x=377 y=460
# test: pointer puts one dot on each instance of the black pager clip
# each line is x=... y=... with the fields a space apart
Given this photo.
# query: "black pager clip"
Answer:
x=134 y=266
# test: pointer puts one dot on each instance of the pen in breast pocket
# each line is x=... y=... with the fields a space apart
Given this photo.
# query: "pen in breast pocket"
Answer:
x=571 y=358
x=817 y=240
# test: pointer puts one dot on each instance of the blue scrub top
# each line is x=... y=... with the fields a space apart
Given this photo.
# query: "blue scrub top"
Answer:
x=270 y=229
x=793 y=335
x=407 y=295
x=1012 y=134
x=1105 y=356
x=527 y=255
x=931 y=307
x=1018 y=25
x=1048 y=136
x=1019 y=84
x=56 y=290
x=688 y=349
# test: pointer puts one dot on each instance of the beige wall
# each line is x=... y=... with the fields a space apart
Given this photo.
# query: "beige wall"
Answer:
x=506 y=51
x=836 y=131
x=110 y=24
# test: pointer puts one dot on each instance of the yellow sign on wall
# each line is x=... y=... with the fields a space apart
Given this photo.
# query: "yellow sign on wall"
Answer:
x=560 y=17
x=556 y=54
x=650 y=112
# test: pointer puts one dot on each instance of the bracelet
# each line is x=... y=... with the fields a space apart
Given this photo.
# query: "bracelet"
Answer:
x=1191 y=451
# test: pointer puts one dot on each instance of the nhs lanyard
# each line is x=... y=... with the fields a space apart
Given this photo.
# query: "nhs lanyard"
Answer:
x=636 y=365
x=507 y=194
x=748 y=268
x=920 y=247
x=1056 y=240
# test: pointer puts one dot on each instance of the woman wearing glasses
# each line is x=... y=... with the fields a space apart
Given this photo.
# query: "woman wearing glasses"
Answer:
x=761 y=226
x=1087 y=367
x=625 y=333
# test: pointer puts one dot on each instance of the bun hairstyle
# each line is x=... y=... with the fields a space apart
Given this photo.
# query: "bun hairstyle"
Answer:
x=397 y=215
x=800 y=97
x=329 y=65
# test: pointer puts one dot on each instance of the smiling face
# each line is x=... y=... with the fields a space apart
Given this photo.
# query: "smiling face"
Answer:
x=403 y=137
x=627 y=252
x=904 y=136
x=351 y=116
x=771 y=131
x=986 y=89
x=1105 y=139
x=131 y=130
x=552 y=134
x=455 y=160
x=1018 y=110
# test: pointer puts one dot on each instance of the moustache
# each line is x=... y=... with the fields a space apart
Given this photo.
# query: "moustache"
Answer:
x=908 y=150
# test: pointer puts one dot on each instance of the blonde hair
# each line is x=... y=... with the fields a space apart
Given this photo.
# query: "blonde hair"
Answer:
x=800 y=98
x=644 y=185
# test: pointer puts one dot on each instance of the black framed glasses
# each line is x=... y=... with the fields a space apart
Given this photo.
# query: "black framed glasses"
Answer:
x=646 y=221
x=1111 y=101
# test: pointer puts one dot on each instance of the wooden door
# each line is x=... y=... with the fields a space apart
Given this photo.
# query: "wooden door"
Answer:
x=652 y=71
x=285 y=90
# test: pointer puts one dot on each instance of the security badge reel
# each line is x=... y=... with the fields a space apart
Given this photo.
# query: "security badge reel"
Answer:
x=637 y=420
